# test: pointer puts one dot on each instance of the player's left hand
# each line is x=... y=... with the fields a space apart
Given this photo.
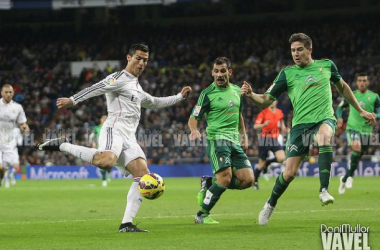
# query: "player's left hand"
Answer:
x=24 y=128
x=370 y=117
x=186 y=91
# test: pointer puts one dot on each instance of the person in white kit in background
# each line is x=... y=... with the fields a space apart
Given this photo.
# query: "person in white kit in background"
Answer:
x=11 y=115
x=10 y=174
x=118 y=145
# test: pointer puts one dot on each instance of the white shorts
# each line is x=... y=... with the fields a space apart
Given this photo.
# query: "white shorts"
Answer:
x=111 y=139
x=9 y=155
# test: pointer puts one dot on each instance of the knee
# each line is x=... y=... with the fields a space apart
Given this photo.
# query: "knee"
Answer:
x=105 y=161
x=247 y=182
x=224 y=179
x=281 y=159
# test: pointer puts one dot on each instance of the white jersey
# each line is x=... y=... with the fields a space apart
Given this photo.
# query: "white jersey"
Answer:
x=125 y=97
x=11 y=115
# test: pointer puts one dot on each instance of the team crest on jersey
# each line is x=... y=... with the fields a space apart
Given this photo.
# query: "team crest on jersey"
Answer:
x=320 y=69
x=196 y=111
x=231 y=104
x=362 y=104
x=110 y=80
x=236 y=94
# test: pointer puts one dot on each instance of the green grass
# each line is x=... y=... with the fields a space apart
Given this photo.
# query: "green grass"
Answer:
x=80 y=214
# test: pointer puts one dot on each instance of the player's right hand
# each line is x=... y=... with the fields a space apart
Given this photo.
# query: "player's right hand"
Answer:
x=370 y=117
x=246 y=89
x=64 y=102
x=195 y=135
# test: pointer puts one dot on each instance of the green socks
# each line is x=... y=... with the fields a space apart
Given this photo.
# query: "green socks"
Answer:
x=324 y=161
x=355 y=157
x=212 y=196
x=278 y=189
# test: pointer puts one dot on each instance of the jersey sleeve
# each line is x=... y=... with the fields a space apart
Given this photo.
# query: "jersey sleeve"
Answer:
x=21 y=118
x=202 y=106
x=279 y=85
x=110 y=83
x=335 y=76
x=260 y=118
x=152 y=102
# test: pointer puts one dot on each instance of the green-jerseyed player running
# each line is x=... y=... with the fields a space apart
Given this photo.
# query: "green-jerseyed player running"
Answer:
x=106 y=174
x=359 y=133
x=220 y=103
x=308 y=86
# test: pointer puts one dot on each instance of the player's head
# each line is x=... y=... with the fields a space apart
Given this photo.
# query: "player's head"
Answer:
x=362 y=82
x=221 y=71
x=7 y=93
x=137 y=58
x=301 y=47
x=103 y=119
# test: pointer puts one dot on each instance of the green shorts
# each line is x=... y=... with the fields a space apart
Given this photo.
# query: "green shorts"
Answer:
x=301 y=137
x=365 y=139
x=224 y=154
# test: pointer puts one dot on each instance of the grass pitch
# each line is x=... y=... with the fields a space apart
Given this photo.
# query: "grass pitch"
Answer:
x=81 y=214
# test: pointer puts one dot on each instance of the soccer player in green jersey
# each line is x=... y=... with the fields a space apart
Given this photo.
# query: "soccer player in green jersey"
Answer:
x=221 y=104
x=95 y=139
x=358 y=132
x=308 y=86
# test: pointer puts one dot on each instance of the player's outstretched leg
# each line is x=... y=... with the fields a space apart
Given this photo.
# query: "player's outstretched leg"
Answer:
x=62 y=144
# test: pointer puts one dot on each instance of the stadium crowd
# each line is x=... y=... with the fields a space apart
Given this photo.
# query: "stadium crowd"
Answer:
x=38 y=68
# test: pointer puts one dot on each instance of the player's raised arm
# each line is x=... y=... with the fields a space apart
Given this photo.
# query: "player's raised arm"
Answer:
x=263 y=101
x=152 y=102
x=346 y=92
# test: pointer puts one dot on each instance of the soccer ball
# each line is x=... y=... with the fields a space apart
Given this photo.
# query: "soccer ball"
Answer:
x=151 y=186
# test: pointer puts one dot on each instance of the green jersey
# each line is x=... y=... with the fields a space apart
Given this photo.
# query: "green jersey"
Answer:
x=222 y=108
x=309 y=90
x=370 y=102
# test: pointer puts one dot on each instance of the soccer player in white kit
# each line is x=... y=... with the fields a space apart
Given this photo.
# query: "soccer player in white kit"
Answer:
x=118 y=145
x=11 y=115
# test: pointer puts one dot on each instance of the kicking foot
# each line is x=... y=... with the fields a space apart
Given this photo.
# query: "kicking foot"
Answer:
x=52 y=144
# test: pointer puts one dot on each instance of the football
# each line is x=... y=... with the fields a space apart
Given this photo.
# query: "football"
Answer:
x=151 y=186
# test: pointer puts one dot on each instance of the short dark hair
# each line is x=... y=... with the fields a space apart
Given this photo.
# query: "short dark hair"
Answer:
x=222 y=60
x=361 y=74
x=303 y=38
x=138 y=46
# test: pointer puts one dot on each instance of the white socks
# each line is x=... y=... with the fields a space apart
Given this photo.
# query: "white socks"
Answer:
x=134 y=200
x=84 y=153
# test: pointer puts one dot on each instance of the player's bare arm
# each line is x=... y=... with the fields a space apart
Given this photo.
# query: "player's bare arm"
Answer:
x=263 y=101
x=64 y=102
x=243 y=134
x=262 y=125
x=195 y=134
x=346 y=92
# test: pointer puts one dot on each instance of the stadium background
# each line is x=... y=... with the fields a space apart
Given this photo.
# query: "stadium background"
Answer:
x=51 y=49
